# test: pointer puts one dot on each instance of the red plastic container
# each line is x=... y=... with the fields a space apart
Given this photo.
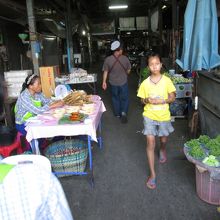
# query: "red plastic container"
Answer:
x=208 y=189
x=6 y=151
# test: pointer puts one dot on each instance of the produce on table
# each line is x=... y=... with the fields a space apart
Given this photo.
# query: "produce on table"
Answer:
x=218 y=138
x=212 y=144
x=193 y=143
x=76 y=116
x=197 y=152
x=145 y=72
x=211 y=161
x=198 y=149
x=215 y=151
x=177 y=79
x=204 y=139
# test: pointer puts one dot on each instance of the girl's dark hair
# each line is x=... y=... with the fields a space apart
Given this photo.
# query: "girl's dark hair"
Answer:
x=153 y=54
x=30 y=79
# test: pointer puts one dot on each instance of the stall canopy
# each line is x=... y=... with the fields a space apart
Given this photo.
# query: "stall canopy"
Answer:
x=200 y=37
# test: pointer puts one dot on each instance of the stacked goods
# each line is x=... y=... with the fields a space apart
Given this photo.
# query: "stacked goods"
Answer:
x=77 y=98
x=58 y=113
x=76 y=103
x=87 y=108
x=77 y=73
x=14 y=80
x=70 y=109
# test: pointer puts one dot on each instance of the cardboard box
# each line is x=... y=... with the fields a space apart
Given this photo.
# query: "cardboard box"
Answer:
x=47 y=76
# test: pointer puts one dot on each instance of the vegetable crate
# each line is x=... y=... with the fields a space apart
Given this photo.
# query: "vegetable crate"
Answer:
x=183 y=90
x=67 y=156
x=208 y=189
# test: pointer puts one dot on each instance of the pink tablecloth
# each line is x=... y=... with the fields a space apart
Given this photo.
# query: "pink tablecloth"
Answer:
x=89 y=127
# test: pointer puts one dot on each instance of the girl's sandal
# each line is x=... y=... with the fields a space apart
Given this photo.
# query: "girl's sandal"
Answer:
x=151 y=183
x=162 y=157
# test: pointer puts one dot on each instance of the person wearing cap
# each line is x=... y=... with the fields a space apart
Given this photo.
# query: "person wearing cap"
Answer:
x=116 y=68
x=31 y=102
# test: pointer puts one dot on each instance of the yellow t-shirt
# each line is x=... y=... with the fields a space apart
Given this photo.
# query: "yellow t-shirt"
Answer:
x=160 y=90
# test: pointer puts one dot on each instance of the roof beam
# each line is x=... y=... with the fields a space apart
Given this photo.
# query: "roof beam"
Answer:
x=14 y=5
x=54 y=6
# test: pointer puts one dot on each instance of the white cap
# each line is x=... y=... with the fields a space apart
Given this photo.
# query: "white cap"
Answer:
x=115 y=45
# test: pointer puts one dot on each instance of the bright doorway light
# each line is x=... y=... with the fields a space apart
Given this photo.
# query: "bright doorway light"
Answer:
x=83 y=32
x=115 y=7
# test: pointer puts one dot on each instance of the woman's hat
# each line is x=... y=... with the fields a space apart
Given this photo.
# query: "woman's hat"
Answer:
x=115 y=45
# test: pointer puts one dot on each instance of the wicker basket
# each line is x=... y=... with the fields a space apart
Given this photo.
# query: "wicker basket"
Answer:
x=67 y=156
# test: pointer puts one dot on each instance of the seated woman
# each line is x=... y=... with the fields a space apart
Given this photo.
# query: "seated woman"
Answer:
x=31 y=102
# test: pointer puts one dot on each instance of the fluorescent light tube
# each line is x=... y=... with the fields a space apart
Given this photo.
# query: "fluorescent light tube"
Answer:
x=112 y=7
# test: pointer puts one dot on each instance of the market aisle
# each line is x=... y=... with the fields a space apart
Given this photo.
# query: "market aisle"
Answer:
x=120 y=171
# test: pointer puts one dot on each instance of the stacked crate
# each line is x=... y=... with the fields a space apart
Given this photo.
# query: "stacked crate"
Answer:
x=14 y=80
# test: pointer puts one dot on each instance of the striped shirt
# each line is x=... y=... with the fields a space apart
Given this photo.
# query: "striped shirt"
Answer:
x=25 y=104
x=29 y=192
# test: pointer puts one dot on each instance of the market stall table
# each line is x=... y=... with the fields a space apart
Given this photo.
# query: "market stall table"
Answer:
x=88 y=127
x=90 y=80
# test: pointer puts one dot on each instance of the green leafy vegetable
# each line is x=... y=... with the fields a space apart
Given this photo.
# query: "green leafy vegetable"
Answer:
x=177 y=79
x=197 y=152
x=212 y=143
x=214 y=147
x=218 y=138
x=192 y=143
x=204 y=139
x=211 y=161
x=215 y=151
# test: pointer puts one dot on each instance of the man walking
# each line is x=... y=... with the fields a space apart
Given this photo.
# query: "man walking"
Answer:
x=117 y=67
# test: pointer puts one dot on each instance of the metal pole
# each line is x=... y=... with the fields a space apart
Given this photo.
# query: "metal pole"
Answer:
x=69 y=35
x=90 y=48
x=32 y=33
x=160 y=27
x=149 y=29
x=174 y=30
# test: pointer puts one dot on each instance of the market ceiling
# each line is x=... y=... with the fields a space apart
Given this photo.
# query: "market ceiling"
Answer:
x=94 y=10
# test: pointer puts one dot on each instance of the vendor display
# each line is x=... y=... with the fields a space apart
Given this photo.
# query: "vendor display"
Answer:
x=205 y=149
x=77 y=98
x=77 y=75
x=175 y=78
x=78 y=106
x=204 y=152
x=49 y=124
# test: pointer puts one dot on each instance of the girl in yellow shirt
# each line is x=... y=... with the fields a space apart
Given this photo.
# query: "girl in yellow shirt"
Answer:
x=156 y=93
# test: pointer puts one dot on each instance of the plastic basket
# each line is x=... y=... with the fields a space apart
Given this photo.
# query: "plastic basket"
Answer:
x=207 y=189
x=67 y=156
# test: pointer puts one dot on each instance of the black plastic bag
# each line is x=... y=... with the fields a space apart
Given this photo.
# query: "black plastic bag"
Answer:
x=7 y=135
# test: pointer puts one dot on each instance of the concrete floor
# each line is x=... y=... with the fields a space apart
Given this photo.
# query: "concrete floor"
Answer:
x=120 y=172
